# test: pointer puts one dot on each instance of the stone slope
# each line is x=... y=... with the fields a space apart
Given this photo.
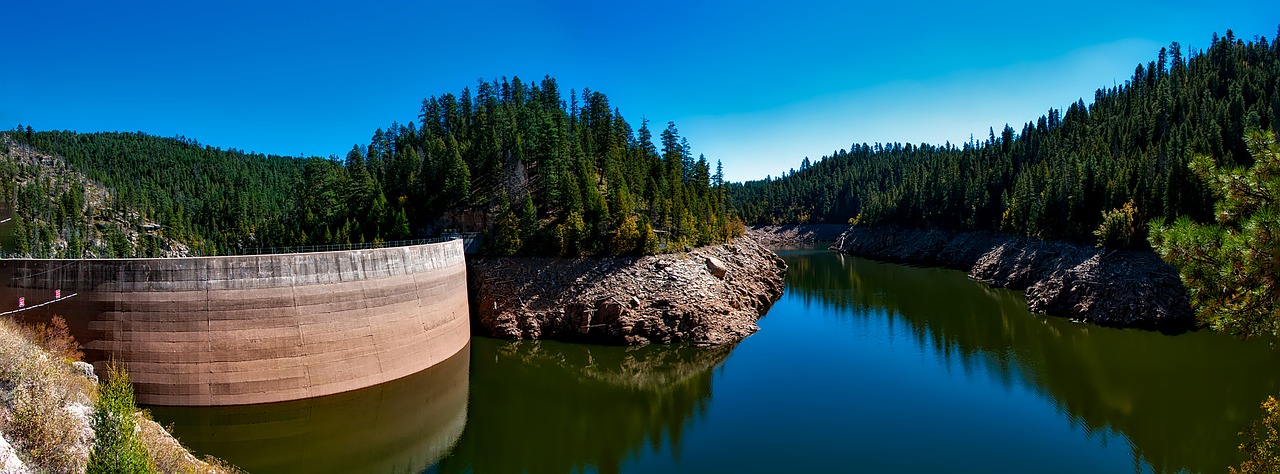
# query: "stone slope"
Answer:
x=711 y=295
x=780 y=235
x=1121 y=288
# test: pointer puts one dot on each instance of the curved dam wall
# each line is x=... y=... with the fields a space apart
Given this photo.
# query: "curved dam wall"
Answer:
x=254 y=329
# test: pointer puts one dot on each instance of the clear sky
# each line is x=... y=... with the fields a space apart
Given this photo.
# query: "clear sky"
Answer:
x=759 y=85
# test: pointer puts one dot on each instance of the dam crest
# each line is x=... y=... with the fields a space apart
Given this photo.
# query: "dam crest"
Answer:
x=235 y=330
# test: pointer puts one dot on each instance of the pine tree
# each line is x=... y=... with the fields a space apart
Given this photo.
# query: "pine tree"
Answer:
x=400 y=227
x=457 y=177
x=1232 y=267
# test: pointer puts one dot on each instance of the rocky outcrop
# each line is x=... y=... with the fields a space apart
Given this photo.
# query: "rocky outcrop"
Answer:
x=84 y=369
x=9 y=461
x=782 y=235
x=1121 y=288
x=711 y=295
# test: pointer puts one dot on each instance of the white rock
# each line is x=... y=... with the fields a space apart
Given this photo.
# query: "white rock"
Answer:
x=9 y=462
x=85 y=369
x=84 y=426
x=716 y=267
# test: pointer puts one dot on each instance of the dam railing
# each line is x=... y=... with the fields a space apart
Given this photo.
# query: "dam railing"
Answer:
x=6 y=252
x=339 y=247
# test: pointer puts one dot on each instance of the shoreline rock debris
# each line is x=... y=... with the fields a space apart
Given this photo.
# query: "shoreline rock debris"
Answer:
x=783 y=235
x=1118 y=288
x=709 y=296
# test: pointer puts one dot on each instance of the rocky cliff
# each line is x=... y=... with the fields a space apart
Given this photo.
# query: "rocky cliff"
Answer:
x=711 y=295
x=1122 y=288
x=784 y=235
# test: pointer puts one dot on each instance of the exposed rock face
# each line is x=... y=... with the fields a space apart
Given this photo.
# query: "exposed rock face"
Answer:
x=1122 y=288
x=9 y=461
x=85 y=369
x=712 y=295
x=780 y=235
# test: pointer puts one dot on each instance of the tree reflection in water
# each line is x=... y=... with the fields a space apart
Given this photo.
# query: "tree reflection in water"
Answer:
x=549 y=407
x=1179 y=400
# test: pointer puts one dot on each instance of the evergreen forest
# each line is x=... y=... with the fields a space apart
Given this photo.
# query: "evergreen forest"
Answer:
x=1122 y=159
x=534 y=172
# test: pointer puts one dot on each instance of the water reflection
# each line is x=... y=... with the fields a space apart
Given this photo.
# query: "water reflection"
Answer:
x=400 y=426
x=548 y=407
x=1179 y=400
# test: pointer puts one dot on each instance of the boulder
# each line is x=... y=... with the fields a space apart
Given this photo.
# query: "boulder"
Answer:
x=716 y=267
x=85 y=369
x=9 y=461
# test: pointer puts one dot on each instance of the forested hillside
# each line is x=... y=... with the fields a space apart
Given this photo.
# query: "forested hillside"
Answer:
x=1125 y=153
x=215 y=201
x=546 y=176
x=539 y=175
x=62 y=213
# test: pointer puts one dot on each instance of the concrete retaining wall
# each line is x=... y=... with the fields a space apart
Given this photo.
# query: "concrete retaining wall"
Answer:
x=255 y=329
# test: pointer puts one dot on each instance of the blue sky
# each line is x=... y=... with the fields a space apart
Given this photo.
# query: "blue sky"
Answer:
x=757 y=85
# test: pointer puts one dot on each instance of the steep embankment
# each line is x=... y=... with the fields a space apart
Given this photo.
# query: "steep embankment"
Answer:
x=59 y=212
x=1122 y=288
x=712 y=295
x=46 y=412
x=782 y=235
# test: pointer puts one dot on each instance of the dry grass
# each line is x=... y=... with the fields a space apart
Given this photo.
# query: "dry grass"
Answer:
x=39 y=398
x=39 y=393
x=168 y=455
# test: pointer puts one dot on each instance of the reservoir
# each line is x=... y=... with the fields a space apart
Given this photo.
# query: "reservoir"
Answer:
x=860 y=366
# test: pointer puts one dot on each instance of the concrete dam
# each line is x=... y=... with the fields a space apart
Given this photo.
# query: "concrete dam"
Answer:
x=235 y=330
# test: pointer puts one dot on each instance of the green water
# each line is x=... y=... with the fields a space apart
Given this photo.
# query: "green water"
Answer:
x=860 y=367
x=400 y=426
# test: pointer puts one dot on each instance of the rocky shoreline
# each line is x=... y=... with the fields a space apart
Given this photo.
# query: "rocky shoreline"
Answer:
x=1118 y=288
x=709 y=296
x=784 y=235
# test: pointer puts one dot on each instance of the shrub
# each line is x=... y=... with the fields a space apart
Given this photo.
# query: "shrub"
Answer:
x=37 y=418
x=626 y=238
x=55 y=337
x=1121 y=228
x=1261 y=446
x=648 y=238
x=117 y=448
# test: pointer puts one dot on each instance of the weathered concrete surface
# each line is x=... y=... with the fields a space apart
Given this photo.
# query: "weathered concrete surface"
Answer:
x=255 y=329
x=405 y=425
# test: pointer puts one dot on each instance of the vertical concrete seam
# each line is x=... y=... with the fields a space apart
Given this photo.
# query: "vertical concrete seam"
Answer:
x=297 y=320
x=206 y=375
x=368 y=316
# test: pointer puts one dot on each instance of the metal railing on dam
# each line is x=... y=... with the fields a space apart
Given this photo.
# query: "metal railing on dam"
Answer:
x=341 y=247
x=232 y=330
